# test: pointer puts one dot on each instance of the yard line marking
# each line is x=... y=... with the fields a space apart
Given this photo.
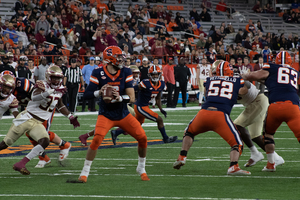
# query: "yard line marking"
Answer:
x=15 y=177
x=115 y=197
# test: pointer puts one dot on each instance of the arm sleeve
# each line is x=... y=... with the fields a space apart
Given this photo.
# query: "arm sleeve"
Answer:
x=92 y=87
x=129 y=78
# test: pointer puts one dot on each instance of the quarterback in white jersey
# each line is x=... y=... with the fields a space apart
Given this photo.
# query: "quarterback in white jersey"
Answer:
x=203 y=71
x=45 y=97
x=7 y=99
x=256 y=105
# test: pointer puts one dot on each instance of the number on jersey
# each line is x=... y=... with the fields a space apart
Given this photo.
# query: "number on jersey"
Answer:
x=283 y=76
x=225 y=90
x=50 y=105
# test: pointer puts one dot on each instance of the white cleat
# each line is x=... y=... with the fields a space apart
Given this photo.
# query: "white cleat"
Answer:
x=236 y=171
x=279 y=161
x=254 y=159
x=42 y=164
x=64 y=151
x=269 y=168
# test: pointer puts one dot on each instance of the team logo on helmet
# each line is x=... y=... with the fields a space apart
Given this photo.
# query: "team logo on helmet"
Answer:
x=54 y=76
x=113 y=55
x=224 y=69
x=7 y=85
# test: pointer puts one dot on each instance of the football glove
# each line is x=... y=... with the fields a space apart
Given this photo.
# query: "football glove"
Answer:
x=74 y=121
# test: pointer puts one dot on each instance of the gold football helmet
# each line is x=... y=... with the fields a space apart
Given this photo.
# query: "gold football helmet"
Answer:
x=7 y=85
x=54 y=76
x=215 y=65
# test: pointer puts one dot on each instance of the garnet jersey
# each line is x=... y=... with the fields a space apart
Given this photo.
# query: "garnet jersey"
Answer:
x=9 y=102
x=44 y=108
x=282 y=83
x=222 y=92
x=148 y=92
x=23 y=90
x=120 y=81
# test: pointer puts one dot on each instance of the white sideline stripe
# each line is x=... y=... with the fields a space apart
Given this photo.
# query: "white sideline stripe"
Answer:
x=115 y=197
x=15 y=177
x=155 y=110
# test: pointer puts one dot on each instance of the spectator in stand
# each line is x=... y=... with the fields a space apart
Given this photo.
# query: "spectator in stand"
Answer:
x=157 y=50
x=221 y=55
x=253 y=52
x=138 y=43
x=257 y=43
x=239 y=63
x=172 y=25
x=229 y=29
x=83 y=49
x=258 y=26
x=129 y=32
x=250 y=27
x=221 y=7
x=182 y=25
x=247 y=66
x=266 y=52
x=126 y=42
x=100 y=40
x=12 y=33
x=257 y=7
x=48 y=54
x=194 y=14
x=169 y=77
x=189 y=33
x=42 y=23
x=172 y=49
x=51 y=37
x=205 y=16
x=239 y=37
x=159 y=24
x=201 y=42
x=40 y=37
x=210 y=55
x=111 y=6
x=268 y=9
x=111 y=38
x=152 y=40
x=247 y=43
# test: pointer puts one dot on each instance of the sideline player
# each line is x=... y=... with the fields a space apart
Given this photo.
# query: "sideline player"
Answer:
x=282 y=83
x=149 y=89
x=23 y=91
x=203 y=71
x=222 y=93
x=45 y=97
x=114 y=113
x=256 y=105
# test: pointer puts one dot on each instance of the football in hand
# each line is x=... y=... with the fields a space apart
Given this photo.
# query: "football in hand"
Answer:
x=107 y=95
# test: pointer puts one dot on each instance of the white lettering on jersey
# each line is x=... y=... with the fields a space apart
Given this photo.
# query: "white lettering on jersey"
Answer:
x=45 y=107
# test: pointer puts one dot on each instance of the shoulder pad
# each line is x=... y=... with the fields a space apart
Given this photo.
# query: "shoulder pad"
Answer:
x=266 y=66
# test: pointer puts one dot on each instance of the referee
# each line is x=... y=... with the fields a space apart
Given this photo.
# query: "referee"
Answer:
x=73 y=76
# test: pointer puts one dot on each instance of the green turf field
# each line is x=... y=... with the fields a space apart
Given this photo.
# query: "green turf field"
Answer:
x=113 y=173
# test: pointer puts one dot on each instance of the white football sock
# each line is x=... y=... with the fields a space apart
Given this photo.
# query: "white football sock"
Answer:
x=35 y=151
x=86 y=168
x=253 y=150
x=271 y=158
x=141 y=166
x=201 y=96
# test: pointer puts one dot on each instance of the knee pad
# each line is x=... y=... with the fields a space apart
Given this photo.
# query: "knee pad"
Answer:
x=51 y=135
x=268 y=140
x=8 y=141
x=142 y=141
x=97 y=140
x=189 y=134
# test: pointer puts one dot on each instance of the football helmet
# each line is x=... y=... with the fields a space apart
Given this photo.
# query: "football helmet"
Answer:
x=283 y=57
x=214 y=66
x=113 y=55
x=54 y=76
x=7 y=72
x=135 y=72
x=154 y=70
x=7 y=85
x=10 y=56
x=224 y=68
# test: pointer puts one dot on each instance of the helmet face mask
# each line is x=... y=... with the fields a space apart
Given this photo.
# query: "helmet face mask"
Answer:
x=154 y=73
x=121 y=59
x=54 y=76
x=113 y=55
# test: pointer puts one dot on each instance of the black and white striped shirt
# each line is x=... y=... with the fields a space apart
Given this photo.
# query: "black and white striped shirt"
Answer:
x=73 y=74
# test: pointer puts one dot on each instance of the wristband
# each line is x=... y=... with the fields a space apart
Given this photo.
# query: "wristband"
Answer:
x=97 y=93
x=125 y=99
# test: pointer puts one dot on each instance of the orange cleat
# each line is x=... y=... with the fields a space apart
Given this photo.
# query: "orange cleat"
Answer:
x=43 y=161
x=83 y=179
x=144 y=177
x=64 y=151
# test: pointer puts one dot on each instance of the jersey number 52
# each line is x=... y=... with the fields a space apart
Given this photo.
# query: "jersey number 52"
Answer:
x=225 y=90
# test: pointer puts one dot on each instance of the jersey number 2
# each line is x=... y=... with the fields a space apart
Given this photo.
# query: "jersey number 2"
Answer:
x=225 y=90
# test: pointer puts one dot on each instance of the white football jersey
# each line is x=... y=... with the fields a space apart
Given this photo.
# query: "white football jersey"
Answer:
x=8 y=103
x=44 y=108
x=248 y=98
x=204 y=71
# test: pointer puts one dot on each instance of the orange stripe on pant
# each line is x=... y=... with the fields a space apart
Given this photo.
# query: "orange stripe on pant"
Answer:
x=142 y=112
x=283 y=112
x=218 y=122
x=129 y=124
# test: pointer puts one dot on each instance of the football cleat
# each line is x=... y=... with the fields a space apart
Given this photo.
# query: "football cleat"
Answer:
x=269 y=168
x=254 y=159
x=179 y=162
x=144 y=177
x=142 y=172
x=43 y=161
x=20 y=168
x=278 y=161
x=82 y=179
x=64 y=151
x=170 y=139
x=83 y=139
x=235 y=170
x=113 y=137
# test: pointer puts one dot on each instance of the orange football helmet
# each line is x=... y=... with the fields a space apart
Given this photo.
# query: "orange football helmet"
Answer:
x=154 y=70
x=283 y=57
x=224 y=69
x=113 y=55
x=7 y=85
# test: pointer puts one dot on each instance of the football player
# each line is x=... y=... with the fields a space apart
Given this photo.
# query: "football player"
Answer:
x=203 y=71
x=23 y=91
x=222 y=92
x=45 y=97
x=282 y=83
x=150 y=89
x=7 y=99
x=115 y=113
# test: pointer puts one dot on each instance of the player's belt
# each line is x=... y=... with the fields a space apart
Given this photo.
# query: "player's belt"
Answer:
x=211 y=109
x=36 y=117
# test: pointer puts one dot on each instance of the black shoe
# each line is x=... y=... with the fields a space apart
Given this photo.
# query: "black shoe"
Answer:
x=184 y=106
x=113 y=137
x=170 y=139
